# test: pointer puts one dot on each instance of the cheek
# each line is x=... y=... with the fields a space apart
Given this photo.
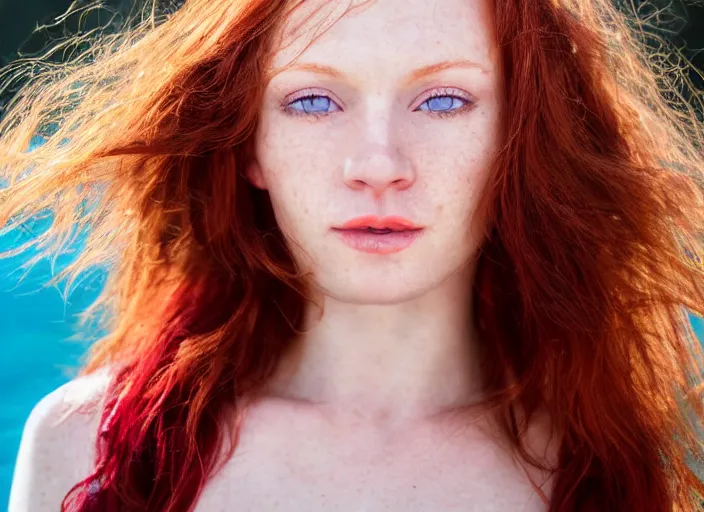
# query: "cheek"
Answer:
x=457 y=168
x=456 y=178
x=296 y=189
x=299 y=165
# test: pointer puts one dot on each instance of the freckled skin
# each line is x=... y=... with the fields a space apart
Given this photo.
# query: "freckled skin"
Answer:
x=314 y=168
x=294 y=460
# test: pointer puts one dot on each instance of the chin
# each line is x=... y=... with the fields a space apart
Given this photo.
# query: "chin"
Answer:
x=384 y=281
x=374 y=291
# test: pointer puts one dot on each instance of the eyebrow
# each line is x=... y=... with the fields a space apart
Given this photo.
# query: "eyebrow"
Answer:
x=413 y=76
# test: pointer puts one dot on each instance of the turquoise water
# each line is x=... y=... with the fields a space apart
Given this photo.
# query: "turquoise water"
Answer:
x=36 y=353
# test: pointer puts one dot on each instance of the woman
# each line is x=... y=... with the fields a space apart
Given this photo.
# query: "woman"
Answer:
x=382 y=255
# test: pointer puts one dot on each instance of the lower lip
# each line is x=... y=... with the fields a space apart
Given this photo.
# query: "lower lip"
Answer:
x=375 y=243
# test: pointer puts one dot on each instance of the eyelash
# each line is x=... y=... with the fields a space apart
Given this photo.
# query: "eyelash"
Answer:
x=443 y=93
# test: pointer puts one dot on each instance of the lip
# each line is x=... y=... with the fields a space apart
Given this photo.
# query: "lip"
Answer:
x=371 y=221
x=403 y=233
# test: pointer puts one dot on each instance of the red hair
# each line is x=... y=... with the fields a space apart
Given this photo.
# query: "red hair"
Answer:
x=591 y=261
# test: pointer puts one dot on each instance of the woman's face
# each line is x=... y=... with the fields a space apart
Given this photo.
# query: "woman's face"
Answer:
x=393 y=111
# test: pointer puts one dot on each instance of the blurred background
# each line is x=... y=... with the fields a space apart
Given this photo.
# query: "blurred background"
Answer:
x=39 y=346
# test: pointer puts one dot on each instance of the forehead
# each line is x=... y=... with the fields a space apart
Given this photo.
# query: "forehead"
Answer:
x=395 y=33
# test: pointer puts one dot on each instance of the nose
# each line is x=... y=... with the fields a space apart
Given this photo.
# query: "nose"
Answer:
x=379 y=169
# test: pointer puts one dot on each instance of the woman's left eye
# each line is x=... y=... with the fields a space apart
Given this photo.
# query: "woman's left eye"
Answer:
x=445 y=104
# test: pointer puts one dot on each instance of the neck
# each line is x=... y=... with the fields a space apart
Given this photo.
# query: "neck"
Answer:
x=387 y=363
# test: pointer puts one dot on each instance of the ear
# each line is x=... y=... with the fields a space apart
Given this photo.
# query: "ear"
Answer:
x=254 y=175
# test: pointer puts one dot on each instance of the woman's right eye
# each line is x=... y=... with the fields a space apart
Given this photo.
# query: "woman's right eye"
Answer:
x=313 y=104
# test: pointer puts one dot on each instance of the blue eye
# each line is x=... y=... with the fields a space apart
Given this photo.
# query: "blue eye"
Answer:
x=444 y=104
x=313 y=104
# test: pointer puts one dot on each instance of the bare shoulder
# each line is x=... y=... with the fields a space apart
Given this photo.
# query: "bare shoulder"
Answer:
x=58 y=444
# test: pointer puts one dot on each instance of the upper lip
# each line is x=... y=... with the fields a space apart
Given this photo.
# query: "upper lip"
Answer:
x=371 y=221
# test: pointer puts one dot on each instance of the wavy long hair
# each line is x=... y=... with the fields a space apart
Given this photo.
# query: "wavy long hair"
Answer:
x=592 y=259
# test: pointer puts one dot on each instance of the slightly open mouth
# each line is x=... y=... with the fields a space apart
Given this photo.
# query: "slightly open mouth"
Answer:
x=378 y=231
